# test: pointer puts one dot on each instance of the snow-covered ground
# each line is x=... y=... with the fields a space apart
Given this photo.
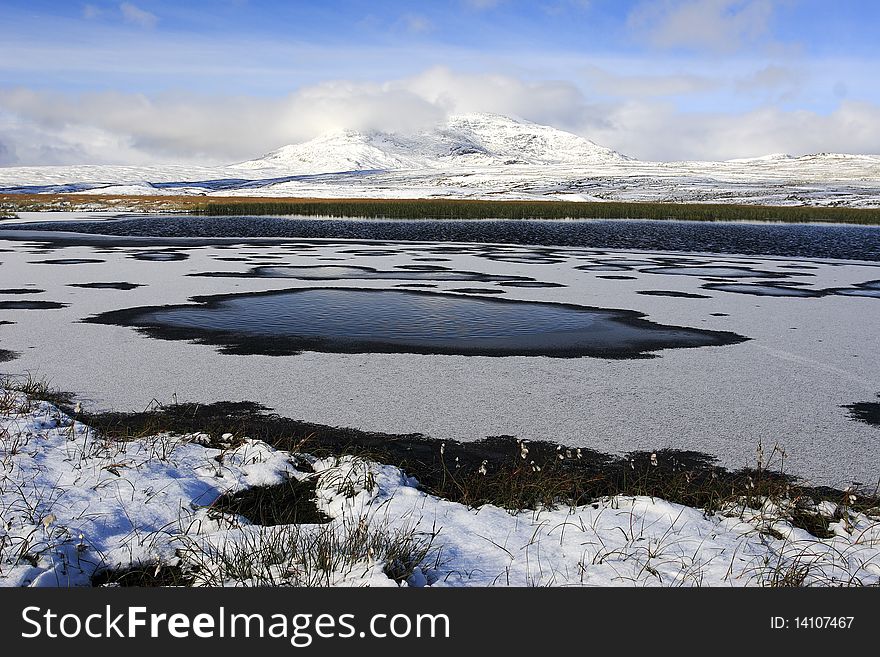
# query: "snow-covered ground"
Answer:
x=480 y=156
x=73 y=502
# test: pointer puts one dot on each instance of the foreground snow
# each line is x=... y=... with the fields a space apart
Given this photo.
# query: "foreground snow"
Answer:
x=479 y=156
x=72 y=503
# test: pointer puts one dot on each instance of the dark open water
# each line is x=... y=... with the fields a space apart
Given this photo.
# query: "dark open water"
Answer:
x=786 y=240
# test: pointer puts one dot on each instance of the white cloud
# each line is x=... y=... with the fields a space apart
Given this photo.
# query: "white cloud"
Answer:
x=716 y=25
x=554 y=102
x=483 y=4
x=90 y=11
x=416 y=23
x=27 y=142
x=778 y=83
x=771 y=76
x=133 y=14
x=38 y=127
x=6 y=155
x=614 y=84
x=654 y=130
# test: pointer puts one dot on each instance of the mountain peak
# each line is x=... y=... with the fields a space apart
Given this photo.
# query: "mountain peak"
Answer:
x=464 y=140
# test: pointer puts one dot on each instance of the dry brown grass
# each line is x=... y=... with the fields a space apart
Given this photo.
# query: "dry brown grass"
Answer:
x=437 y=208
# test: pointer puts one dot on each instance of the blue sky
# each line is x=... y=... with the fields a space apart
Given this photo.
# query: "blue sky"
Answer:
x=153 y=80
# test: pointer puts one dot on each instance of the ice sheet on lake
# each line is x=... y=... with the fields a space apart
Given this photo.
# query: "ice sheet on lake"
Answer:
x=807 y=357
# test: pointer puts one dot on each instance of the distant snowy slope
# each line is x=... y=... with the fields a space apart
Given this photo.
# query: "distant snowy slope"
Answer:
x=524 y=142
x=479 y=156
x=340 y=150
x=769 y=158
x=869 y=163
x=462 y=141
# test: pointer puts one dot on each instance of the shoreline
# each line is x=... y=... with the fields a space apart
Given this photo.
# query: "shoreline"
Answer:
x=437 y=208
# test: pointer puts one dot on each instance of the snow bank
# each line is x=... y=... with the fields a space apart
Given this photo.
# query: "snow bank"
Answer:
x=73 y=503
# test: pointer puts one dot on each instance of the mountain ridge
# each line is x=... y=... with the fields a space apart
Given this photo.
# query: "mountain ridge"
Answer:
x=465 y=140
x=478 y=156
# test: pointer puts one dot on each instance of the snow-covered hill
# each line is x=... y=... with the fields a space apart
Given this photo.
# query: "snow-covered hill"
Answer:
x=479 y=156
x=469 y=140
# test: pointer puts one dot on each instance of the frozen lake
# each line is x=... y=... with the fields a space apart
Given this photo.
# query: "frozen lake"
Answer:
x=611 y=335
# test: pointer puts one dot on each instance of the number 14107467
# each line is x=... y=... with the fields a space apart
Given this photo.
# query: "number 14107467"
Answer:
x=812 y=622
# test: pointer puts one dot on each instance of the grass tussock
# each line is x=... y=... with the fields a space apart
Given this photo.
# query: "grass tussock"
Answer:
x=293 y=555
x=21 y=394
x=284 y=547
x=150 y=575
x=289 y=503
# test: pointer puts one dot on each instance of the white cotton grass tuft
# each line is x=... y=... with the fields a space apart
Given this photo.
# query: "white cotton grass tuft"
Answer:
x=850 y=494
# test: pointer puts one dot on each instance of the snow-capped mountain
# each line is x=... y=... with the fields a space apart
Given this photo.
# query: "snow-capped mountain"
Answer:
x=479 y=156
x=469 y=140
